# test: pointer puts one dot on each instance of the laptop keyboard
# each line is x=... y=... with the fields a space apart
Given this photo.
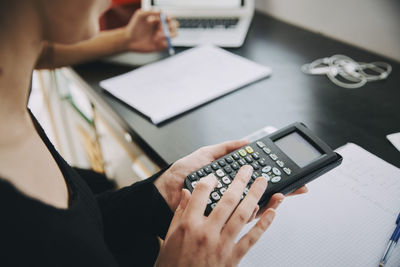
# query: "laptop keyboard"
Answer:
x=207 y=23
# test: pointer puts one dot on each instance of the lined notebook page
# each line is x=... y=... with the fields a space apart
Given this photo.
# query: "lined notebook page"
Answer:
x=177 y=84
x=346 y=219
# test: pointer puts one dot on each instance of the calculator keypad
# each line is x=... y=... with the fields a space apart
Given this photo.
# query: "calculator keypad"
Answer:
x=264 y=161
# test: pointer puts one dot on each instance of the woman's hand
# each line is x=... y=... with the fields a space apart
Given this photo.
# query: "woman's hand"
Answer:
x=144 y=31
x=196 y=240
x=170 y=183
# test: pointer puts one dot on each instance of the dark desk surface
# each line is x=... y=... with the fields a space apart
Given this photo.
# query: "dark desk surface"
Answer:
x=363 y=116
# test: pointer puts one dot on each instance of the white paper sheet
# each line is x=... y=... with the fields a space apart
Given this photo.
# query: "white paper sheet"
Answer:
x=346 y=219
x=394 y=139
x=174 y=85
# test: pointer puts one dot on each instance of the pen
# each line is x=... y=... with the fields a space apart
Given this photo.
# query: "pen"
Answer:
x=392 y=243
x=165 y=29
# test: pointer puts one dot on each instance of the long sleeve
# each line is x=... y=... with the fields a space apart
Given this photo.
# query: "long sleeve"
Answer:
x=133 y=212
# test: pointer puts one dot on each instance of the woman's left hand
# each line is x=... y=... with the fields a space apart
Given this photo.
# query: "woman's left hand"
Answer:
x=144 y=31
x=170 y=183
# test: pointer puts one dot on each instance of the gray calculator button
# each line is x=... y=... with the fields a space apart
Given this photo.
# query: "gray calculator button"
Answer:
x=266 y=176
x=192 y=177
x=276 y=179
x=219 y=184
x=222 y=190
x=273 y=156
x=220 y=173
x=200 y=173
x=276 y=171
x=260 y=144
x=287 y=170
x=266 y=169
x=267 y=150
x=246 y=191
x=262 y=162
x=194 y=184
x=215 y=196
x=226 y=180
x=209 y=201
x=213 y=205
x=280 y=163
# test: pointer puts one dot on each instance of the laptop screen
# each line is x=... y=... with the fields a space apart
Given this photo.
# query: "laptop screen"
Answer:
x=199 y=3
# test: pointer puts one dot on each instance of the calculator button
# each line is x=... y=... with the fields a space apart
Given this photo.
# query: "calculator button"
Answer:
x=262 y=162
x=235 y=166
x=266 y=169
x=221 y=163
x=200 y=173
x=280 y=163
x=194 y=184
x=255 y=166
x=273 y=156
x=260 y=144
x=228 y=169
x=220 y=173
x=256 y=156
x=213 y=205
x=254 y=176
x=219 y=184
x=226 y=180
x=192 y=177
x=249 y=149
x=242 y=162
x=215 y=196
x=276 y=171
x=209 y=201
x=275 y=179
x=248 y=159
x=215 y=166
x=222 y=191
x=236 y=156
x=207 y=170
x=267 y=150
x=266 y=176
x=229 y=160
x=246 y=191
x=242 y=152
x=232 y=175
x=287 y=170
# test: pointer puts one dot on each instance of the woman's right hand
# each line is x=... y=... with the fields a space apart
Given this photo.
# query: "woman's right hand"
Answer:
x=196 y=240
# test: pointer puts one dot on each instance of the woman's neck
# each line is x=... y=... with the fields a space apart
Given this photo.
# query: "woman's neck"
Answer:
x=19 y=49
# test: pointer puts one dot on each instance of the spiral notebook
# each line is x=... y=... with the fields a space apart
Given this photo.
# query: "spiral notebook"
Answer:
x=169 y=87
x=346 y=219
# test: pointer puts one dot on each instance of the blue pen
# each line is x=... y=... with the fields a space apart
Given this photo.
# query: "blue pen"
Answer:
x=165 y=29
x=392 y=243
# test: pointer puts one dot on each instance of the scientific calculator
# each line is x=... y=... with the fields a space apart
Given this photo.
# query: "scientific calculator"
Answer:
x=288 y=159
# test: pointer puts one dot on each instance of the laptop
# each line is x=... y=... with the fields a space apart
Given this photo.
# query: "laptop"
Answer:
x=220 y=22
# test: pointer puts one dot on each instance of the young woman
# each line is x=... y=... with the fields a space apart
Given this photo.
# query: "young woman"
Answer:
x=49 y=217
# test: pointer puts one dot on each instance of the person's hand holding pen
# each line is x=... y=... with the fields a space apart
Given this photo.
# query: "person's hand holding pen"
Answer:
x=144 y=33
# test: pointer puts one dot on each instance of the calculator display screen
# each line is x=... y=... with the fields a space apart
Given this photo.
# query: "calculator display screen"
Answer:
x=297 y=149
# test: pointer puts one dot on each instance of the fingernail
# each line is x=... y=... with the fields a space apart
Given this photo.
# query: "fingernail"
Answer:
x=212 y=176
x=270 y=215
x=263 y=181
x=249 y=169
